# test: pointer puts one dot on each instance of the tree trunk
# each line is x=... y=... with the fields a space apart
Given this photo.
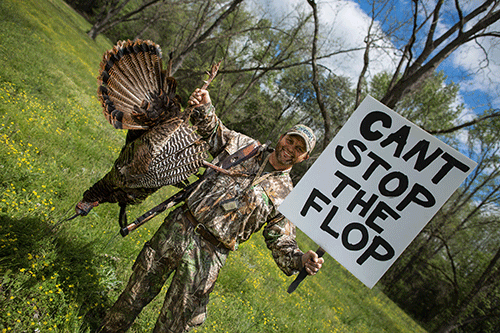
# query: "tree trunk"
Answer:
x=328 y=136
x=480 y=284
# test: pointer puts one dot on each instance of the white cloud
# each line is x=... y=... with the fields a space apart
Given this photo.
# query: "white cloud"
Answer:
x=473 y=58
x=342 y=23
x=347 y=24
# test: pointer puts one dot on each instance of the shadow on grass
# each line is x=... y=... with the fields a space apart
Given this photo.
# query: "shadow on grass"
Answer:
x=84 y=276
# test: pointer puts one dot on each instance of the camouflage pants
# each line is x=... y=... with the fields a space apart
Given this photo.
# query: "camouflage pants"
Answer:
x=174 y=247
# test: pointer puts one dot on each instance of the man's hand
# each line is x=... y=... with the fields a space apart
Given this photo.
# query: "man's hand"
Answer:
x=311 y=262
x=199 y=97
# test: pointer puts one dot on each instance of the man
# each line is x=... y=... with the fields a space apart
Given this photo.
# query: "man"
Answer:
x=221 y=212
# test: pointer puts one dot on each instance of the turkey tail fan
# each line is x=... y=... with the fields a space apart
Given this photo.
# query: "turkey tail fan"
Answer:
x=181 y=157
x=133 y=91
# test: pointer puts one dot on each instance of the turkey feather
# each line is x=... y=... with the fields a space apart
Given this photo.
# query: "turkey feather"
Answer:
x=161 y=148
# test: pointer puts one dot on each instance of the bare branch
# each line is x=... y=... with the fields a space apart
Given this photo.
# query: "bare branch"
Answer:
x=418 y=71
x=180 y=58
x=467 y=124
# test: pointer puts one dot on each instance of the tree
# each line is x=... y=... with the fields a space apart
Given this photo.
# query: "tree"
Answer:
x=421 y=49
x=454 y=262
x=109 y=15
x=476 y=258
x=431 y=107
x=256 y=55
x=427 y=47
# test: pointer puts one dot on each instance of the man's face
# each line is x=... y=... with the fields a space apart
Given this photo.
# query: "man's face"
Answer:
x=290 y=150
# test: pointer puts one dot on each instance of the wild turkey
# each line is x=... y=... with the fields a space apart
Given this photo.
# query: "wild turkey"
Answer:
x=161 y=147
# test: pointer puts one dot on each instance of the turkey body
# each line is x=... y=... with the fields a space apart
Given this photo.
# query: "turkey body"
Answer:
x=161 y=146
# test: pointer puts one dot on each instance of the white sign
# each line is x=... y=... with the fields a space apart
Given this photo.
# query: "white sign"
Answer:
x=373 y=189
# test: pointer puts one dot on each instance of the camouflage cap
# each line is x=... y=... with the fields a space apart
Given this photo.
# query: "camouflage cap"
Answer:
x=306 y=133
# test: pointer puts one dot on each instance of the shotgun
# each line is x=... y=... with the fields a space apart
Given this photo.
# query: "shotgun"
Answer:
x=232 y=160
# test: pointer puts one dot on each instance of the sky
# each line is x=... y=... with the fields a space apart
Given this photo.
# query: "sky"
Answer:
x=347 y=21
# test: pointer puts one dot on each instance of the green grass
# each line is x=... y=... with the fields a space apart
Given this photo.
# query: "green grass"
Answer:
x=54 y=144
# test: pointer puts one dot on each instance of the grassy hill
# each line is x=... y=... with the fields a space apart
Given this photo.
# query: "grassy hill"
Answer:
x=54 y=143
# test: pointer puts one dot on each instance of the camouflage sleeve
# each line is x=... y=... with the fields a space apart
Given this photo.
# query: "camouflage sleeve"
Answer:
x=279 y=234
x=205 y=119
x=211 y=128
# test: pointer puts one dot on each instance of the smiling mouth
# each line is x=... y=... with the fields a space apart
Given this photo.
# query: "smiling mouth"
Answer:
x=286 y=155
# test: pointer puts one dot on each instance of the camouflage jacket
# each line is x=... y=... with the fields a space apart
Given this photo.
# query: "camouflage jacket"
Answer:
x=232 y=208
